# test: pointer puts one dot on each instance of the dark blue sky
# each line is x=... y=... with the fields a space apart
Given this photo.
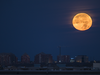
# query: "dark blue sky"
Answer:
x=34 y=26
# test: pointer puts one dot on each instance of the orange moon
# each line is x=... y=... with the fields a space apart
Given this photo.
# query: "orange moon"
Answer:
x=82 y=21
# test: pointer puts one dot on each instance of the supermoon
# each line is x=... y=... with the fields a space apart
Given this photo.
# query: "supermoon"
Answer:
x=82 y=21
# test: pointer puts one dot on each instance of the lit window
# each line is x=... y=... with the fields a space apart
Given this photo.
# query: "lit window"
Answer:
x=59 y=60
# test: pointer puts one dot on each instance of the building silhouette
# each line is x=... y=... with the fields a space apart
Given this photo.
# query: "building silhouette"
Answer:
x=81 y=59
x=63 y=59
x=25 y=58
x=7 y=59
x=43 y=58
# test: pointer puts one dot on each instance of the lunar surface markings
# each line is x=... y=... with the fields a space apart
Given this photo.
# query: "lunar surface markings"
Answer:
x=82 y=21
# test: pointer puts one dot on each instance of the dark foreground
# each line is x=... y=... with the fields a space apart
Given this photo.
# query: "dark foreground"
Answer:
x=20 y=72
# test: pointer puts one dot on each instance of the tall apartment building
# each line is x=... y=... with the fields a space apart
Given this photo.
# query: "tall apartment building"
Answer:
x=63 y=58
x=81 y=58
x=43 y=58
x=7 y=59
x=25 y=58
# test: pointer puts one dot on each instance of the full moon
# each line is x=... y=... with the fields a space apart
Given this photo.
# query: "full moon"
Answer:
x=82 y=21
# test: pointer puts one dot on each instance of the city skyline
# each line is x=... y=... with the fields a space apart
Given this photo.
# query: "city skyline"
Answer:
x=25 y=58
x=35 y=26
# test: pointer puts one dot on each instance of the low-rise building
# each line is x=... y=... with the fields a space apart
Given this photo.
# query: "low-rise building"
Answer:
x=96 y=66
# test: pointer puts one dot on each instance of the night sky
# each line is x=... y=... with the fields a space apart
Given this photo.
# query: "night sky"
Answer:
x=35 y=26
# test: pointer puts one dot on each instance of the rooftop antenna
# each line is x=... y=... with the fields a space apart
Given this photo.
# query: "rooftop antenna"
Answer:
x=59 y=53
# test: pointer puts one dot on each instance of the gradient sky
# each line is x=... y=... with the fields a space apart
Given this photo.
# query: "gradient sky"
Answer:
x=34 y=26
